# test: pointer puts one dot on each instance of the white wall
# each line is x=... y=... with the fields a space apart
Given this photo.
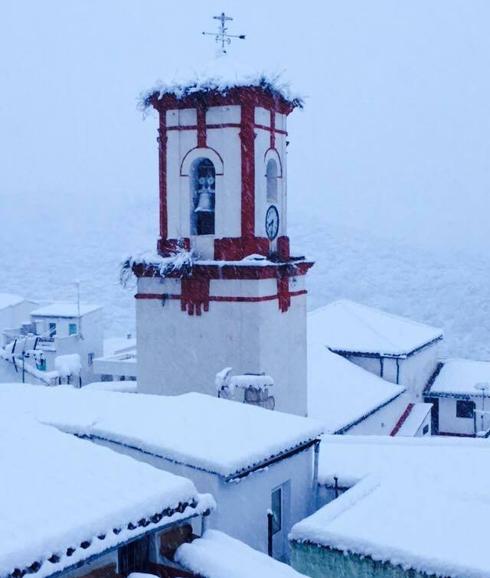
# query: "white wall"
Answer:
x=450 y=423
x=178 y=353
x=93 y=339
x=382 y=421
x=414 y=371
x=13 y=316
x=242 y=505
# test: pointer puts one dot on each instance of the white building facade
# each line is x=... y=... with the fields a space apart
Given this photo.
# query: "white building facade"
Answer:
x=459 y=391
x=224 y=290
x=66 y=329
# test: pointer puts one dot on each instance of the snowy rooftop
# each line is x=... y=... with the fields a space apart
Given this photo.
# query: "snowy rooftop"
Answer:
x=64 y=310
x=460 y=376
x=9 y=300
x=222 y=74
x=128 y=386
x=216 y=555
x=220 y=436
x=47 y=509
x=346 y=326
x=115 y=345
x=339 y=392
x=421 y=502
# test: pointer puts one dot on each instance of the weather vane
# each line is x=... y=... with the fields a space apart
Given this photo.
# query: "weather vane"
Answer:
x=222 y=37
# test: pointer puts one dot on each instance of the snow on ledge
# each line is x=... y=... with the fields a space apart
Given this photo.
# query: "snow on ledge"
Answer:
x=217 y=555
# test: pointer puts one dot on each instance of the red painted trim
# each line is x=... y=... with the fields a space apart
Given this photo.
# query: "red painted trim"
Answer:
x=247 y=138
x=167 y=247
x=273 y=130
x=162 y=175
x=218 y=172
x=195 y=295
x=236 y=248
x=195 y=298
x=283 y=295
x=201 y=126
x=402 y=420
x=225 y=125
x=230 y=271
x=283 y=251
x=237 y=95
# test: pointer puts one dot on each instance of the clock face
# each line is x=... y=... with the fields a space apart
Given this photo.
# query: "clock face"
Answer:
x=272 y=222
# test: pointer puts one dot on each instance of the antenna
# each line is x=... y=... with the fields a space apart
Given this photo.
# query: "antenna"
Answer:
x=222 y=37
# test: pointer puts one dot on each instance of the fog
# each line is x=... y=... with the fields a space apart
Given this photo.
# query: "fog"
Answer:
x=393 y=139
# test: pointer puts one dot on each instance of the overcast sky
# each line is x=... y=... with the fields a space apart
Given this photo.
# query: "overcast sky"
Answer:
x=395 y=135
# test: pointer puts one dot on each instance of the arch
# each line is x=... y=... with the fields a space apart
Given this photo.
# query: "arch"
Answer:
x=271 y=175
x=197 y=153
x=202 y=179
x=273 y=154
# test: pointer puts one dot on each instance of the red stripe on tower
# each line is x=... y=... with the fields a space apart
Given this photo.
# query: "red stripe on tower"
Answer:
x=162 y=173
x=273 y=129
x=247 y=137
x=201 y=126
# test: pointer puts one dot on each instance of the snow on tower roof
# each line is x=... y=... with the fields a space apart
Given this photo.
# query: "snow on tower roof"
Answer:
x=217 y=555
x=341 y=394
x=216 y=435
x=221 y=75
x=421 y=503
x=346 y=326
x=60 y=493
x=9 y=299
x=64 y=310
x=460 y=377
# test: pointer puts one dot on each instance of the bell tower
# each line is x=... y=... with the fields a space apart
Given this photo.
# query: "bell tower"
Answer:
x=224 y=289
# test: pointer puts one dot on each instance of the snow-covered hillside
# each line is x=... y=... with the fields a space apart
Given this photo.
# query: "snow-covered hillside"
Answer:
x=45 y=246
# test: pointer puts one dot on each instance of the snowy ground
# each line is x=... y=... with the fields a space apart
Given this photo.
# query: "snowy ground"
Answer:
x=45 y=246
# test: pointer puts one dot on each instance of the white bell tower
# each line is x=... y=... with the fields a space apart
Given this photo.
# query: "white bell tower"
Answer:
x=224 y=289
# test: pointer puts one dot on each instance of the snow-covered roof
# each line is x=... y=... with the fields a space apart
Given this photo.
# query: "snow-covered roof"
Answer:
x=217 y=555
x=340 y=393
x=222 y=74
x=64 y=493
x=421 y=502
x=216 y=435
x=346 y=326
x=9 y=300
x=119 y=386
x=64 y=310
x=461 y=376
x=115 y=345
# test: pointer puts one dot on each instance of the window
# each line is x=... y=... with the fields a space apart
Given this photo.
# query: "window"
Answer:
x=91 y=359
x=203 y=177
x=72 y=329
x=465 y=408
x=276 y=509
x=52 y=329
x=271 y=176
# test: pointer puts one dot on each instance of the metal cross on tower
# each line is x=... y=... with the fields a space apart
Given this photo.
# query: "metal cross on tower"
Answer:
x=222 y=37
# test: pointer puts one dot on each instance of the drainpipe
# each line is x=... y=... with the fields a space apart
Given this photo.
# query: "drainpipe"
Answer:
x=381 y=367
x=270 y=517
x=316 y=460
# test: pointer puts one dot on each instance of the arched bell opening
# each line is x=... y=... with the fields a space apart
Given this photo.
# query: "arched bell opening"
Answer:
x=203 y=190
